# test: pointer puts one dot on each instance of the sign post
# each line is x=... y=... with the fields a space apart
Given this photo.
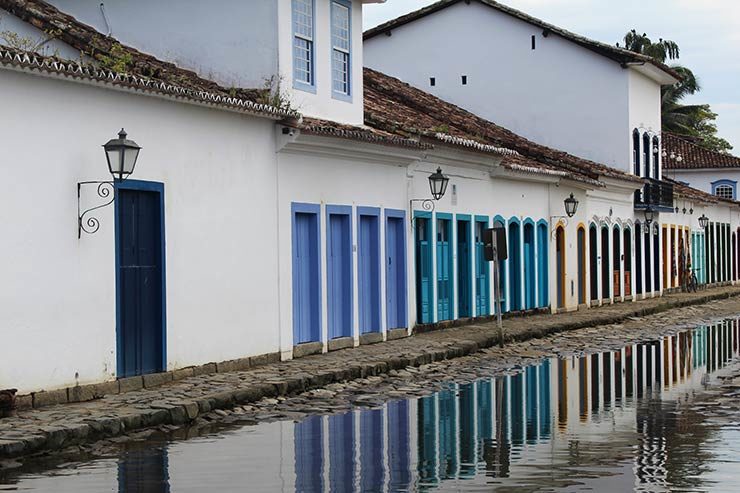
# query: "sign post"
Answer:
x=494 y=240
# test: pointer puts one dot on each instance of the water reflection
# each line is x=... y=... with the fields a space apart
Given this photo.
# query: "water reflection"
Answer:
x=613 y=421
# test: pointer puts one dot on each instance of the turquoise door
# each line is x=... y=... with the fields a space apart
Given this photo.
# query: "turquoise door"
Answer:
x=543 y=263
x=515 y=271
x=529 y=266
x=444 y=268
x=423 y=270
x=482 y=284
x=464 y=267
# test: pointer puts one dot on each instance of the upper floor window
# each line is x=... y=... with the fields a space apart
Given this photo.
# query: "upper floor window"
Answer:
x=636 y=152
x=725 y=189
x=656 y=158
x=646 y=154
x=340 y=48
x=303 y=44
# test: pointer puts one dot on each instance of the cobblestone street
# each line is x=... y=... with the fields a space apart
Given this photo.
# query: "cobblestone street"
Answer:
x=363 y=376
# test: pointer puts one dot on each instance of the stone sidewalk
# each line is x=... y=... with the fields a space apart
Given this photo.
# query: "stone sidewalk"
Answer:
x=55 y=427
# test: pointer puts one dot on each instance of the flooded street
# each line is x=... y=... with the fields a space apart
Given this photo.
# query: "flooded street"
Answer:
x=655 y=416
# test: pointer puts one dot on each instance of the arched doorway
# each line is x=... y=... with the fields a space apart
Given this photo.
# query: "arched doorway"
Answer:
x=530 y=278
x=656 y=258
x=666 y=260
x=606 y=277
x=543 y=273
x=515 y=265
x=637 y=279
x=593 y=247
x=560 y=264
x=616 y=263
x=628 y=279
x=648 y=259
x=581 y=254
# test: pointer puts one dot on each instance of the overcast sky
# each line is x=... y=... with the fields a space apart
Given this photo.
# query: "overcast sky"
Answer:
x=707 y=31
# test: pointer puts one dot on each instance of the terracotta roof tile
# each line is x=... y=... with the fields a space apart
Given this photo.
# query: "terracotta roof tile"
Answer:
x=694 y=156
x=396 y=107
x=366 y=134
x=144 y=72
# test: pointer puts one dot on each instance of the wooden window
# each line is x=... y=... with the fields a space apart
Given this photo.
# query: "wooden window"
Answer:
x=303 y=48
x=341 y=47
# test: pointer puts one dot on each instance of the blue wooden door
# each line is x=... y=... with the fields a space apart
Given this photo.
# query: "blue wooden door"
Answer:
x=395 y=249
x=464 y=280
x=529 y=267
x=515 y=271
x=444 y=270
x=339 y=275
x=482 y=285
x=423 y=270
x=141 y=331
x=369 y=272
x=543 y=265
x=306 y=274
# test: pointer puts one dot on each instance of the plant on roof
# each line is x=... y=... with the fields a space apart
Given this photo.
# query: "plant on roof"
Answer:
x=443 y=129
x=28 y=43
x=692 y=120
x=272 y=94
x=118 y=60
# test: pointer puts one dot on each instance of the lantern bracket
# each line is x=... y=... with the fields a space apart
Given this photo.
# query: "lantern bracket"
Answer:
x=89 y=223
x=426 y=204
x=558 y=221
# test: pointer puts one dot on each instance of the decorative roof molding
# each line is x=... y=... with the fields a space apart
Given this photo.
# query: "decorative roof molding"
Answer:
x=363 y=134
x=459 y=141
x=33 y=62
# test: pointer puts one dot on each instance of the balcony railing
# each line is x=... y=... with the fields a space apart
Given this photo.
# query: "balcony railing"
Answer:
x=656 y=194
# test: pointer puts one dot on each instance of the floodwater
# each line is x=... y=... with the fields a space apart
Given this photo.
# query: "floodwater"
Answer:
x=660 y=416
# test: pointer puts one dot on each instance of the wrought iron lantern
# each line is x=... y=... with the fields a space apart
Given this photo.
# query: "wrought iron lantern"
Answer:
x=649 y=216
x=438 y=184
x=571 y=205
x=121 y=154
x=703 y=221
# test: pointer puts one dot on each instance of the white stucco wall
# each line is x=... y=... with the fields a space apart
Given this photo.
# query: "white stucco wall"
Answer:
x=702 y=178
x=230 y=41
x=559 y=94
x=57 y=294
x=321 y=104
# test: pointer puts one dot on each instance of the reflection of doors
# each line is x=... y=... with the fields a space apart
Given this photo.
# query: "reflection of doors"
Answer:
x=529 y=266
x=464 y=308
x=581 y=265
x=560 y=266
x=395 y=250
x=306 y=277
x=339 y=275
x=482 y=287
x=368 y=266
x=444 y=268
x=140 y=290
x=593 y=259
x=423 y=270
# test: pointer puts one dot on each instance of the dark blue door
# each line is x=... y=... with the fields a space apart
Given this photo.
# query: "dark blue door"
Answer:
x=306 y=279
x=141 y=332
x=423 y=270
x=339 y=275
x=369 y=271
x=464 y=280
x=444 y=269
x=395 y=249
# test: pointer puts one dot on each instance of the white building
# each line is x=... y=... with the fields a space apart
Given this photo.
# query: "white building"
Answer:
x=252 y=232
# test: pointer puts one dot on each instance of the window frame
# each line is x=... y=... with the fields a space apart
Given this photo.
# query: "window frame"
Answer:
x=732 y=184
x=334 y=93
x=299 y=84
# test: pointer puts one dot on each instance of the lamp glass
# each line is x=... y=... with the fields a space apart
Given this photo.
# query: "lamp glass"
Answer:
x=438 y=184
x=571 y=205
x=121 y=154
x=703 y=221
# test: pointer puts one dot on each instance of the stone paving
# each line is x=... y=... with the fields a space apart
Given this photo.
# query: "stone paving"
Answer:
x=259 y=393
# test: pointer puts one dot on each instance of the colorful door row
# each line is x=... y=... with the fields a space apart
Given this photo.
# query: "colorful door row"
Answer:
x=453 y=279
x=377 y=265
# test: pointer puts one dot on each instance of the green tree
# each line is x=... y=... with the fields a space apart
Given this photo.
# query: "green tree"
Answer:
x=693 y=120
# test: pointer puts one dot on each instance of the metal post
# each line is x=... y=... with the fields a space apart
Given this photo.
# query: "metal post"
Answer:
x=497 y=293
